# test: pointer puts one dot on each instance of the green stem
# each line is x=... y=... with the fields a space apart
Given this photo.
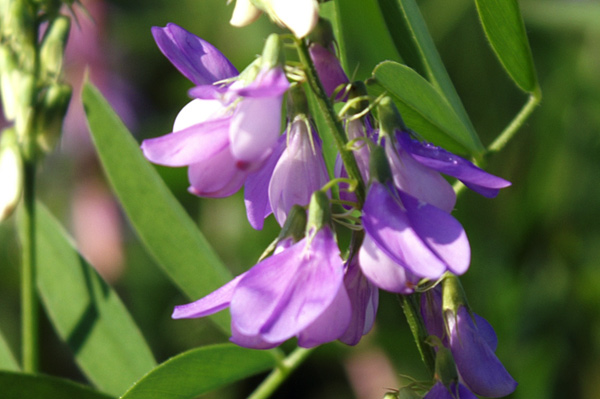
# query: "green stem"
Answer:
x=512 y=128
x=413 y=316
x=509 y=132
x=331 y=118
x=29 y=301
x=279 y=374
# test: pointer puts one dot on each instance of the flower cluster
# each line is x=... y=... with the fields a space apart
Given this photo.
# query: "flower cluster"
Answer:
x=229 y=137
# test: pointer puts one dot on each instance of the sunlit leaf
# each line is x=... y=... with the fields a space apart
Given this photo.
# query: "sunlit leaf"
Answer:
x=201 y=370
x=28 y=386
x=7 y=360
x=86 y=313
x=503 y=26
x=416 y=47
x=160 y=221
x=423 y=108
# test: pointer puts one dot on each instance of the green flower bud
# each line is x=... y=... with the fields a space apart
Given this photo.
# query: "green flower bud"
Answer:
x=11 y=173
x=271 y=55
x=389 y=117
x=322 y=33
x=357 y=97
x=19 y=31
x=453 y=295
x=445 y=369
x=297 y=104
x=295 y=224
x=319 y=212
x=379 y=165
x=52 y=110
x=53 y=45
x=8 y=72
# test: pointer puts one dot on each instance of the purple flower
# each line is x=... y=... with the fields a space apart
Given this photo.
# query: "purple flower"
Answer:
x=289 y=177
x=297 y=292
x=364 y=299
x=472 y=341
x=438 y=159
x=454 y=391
x=407 y=239
x=329 y=69
x=228 y=131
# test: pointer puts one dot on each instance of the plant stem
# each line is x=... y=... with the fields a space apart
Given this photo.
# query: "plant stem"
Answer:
x=510 y=130
x=413 y=316
x=29 y=301
x=279 y=374
x=331 y=118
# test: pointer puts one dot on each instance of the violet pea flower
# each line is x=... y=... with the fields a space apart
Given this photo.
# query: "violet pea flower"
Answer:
x=364 y=300
x=455 y=390
x=228 y=131
x=407 y=239
x=289 y=177
x=472 y=341
x=299 y=292
x=440 y=160
x=330 y=71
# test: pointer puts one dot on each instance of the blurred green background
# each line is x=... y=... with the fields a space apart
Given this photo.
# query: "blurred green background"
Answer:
x=535 y=271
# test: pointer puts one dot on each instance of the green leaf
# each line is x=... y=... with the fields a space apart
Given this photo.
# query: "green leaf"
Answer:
x=160 y=221
x=359 y=54
x=423 y=108
x=503 y=26
x=7 y=360
x=415 y=45
x=86 y=313
x=200 y=370
x=20 y=386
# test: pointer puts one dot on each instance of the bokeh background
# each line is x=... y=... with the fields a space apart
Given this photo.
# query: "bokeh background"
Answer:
x=535 y=272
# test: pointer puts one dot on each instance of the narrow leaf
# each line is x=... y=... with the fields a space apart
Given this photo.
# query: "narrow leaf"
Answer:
x=86 y=313
x=359 y=53
x=416 y=47
x=423 y=108
x=7 y=360
x=503 y=26
x=20 y=386
x=201 y=370
x=160 y=221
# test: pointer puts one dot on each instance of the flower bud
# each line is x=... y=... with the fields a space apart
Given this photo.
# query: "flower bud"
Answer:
x=295 y=225
x=8 y=70
x=389 y=117
x=11 y=173
x=445 y=369
x=53 y=45
x=379 y=167
x=319 y=212
x=322 y=33
x=453 y=295
x=297 y=104
x=271 y=56
x=51 y=114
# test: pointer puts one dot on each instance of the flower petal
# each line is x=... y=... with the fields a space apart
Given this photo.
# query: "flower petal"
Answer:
x=431 y=311
x=250 y=341
x=384 y=272
x=255 y=128
x=389 y=226
x=419 y=181
x=443 y=234
x=195 y=58
x=216 y=177
x=443 y=161
x=331 y=324
x=256 y=189
x=299 y=172
x=185 y=147
x=212 y=303
x=300 y=16
x=268 y=83
x=477 y=364
x=329 y=69
x=364 y=298
x=244 y=13
x=285 y=293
